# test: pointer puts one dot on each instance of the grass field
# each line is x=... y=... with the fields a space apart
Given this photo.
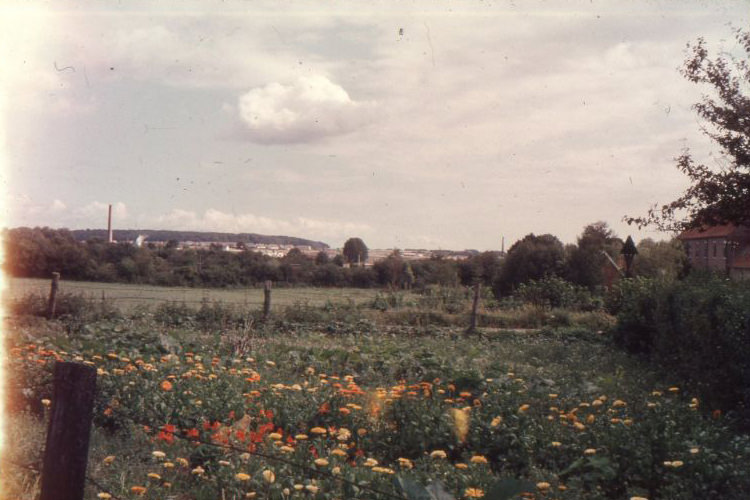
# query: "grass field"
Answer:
x=125 y=297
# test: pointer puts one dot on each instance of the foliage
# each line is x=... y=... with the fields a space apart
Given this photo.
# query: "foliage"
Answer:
x=554 y=292
x=586 y=261
x=700 y=328
x=355 y=251
x=665 y=260
x=377 y=416
x=717 y=195
x=530 y=258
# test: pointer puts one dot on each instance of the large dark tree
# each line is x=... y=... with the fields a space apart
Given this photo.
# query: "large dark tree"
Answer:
x=585 y=263
x=355 y=251
x=530 y=258
x=718 y=194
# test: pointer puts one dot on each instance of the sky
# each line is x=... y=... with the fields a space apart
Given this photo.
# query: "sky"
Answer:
x=434 y=124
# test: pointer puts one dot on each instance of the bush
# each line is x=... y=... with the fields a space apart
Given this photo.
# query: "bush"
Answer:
x=551 y=291
x=699 y=328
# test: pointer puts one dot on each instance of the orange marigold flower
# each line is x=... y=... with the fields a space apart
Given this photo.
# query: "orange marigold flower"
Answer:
x=473 y=493
x=166 y=385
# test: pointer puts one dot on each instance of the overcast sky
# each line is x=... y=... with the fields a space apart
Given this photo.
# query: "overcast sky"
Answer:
x=411 y=125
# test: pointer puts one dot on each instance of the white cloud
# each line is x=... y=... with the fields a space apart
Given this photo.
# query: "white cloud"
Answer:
x=310 y=108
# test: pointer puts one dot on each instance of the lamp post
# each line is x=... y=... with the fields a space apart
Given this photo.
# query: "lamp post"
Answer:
x=629 y=251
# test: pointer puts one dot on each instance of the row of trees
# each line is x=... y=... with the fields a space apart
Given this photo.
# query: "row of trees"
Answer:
x=38 y=252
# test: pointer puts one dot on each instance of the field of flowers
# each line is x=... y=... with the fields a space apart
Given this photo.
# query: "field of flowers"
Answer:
x=392 y=412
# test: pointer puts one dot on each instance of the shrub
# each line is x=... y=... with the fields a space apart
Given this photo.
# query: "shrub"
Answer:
x=699 y=328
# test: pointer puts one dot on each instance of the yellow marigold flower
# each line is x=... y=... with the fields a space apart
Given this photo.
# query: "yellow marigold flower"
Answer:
x=153 y=475
x=579 y=426
x=338 y=452
x=301 y=437
x=321 y=462
x=383 y=470
x=198 y=471
x=275 y=436
x=628 y=422
x=589 y=451
x=552 y=396
x=674 y=389
x=336 y=470
x=543 y=485
x=299 y=487
x=108 y=459
x=311 y=488
x=461 y=466
x=556 y=444
x=478 y=459
x=524 y=408
x=361 y=432
x=496 y=421
x=182 y=461
x=596 y=403
x=619 y=403
x=270 y=363
x=473 y=493
x=695 y=450
x=138 y=490
x=158 y=454
x=168 y=465
x=590 y=419
x=370 y=462
x=269 y=476
x=104 y=495
x=405 y=463
x=250 y=494
x=638 y=498
x=318 y=430
x=46 y=402
x=241 y=476
x=286 y=449
x=438 y=454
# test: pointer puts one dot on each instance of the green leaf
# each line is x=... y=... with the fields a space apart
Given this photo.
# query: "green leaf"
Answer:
x=505 y=489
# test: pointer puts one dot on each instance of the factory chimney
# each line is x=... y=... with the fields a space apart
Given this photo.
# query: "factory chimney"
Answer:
x=109 y=226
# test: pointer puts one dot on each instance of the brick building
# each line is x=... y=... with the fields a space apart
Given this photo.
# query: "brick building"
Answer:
x=723 y=248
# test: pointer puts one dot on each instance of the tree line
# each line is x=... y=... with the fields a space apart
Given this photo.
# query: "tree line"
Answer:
x=37 y=252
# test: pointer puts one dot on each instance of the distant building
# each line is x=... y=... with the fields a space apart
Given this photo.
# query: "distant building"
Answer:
x=724 y=249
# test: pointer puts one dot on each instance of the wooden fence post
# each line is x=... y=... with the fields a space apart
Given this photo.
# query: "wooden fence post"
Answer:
x=52 y=303
x=474 y=305
x=66 y=451
x=266 y=300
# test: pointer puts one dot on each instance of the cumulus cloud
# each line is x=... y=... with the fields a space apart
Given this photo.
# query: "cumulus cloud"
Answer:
x=308 y=109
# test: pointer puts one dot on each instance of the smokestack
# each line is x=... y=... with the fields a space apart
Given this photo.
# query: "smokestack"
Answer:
x=502 y=250
x=109 y=225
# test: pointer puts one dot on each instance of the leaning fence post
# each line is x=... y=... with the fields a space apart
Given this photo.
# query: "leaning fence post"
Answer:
x=66 y=451
x=266 y=300
x=474 y=305
x=52 y=303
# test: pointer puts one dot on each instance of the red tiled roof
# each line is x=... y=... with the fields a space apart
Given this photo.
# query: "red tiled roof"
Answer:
x=708 y=232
